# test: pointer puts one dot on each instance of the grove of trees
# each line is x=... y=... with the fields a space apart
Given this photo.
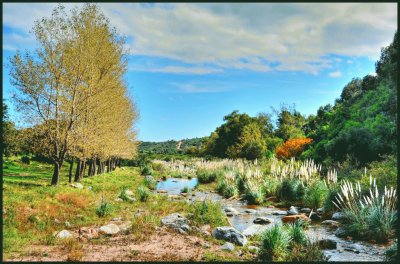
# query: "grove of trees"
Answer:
x=71 y=90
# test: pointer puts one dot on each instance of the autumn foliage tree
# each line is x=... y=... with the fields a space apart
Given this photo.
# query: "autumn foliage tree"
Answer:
x=292 y=148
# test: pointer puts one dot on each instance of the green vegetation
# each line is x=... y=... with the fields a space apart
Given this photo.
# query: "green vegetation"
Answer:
x=208 y=212
x=104 y=209
x=143 y=193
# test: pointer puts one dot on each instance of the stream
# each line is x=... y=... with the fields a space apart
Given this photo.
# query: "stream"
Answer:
x=346 y=250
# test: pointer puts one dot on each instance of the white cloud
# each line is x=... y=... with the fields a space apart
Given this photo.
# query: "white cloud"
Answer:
x=179 y=70
x=335 y=74
x=372 y=74
x=295 y=36
x=199 y=88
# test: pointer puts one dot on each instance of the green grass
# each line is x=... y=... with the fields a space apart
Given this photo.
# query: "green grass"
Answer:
x=27 y=194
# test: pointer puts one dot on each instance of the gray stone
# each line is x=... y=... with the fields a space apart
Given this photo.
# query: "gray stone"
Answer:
x=327 y=244
x=64 y=234
x=254 y=230
x=110 y=229
x=129 y=192
x=229 y=234
x=338 y=216
x=315 y=217
x=116 y=219
x=279 y=212
x=341 y=232
x=77 y=185
x=177 y=222
x=57 y=221
x=305 y=210
x=292 y=211
x=263 y=220
x=67 y=224
x=250 y=211
x=331 y=223
x=253 y=249
x=228 y=247
x=231 y=210
x=320 y=210
x=229 y=214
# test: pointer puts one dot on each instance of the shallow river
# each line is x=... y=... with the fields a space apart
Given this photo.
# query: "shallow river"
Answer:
x=243 y=221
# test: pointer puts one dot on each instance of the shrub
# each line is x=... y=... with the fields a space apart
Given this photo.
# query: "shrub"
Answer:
x=25 y=160
x=316 y=194
x=104 y=209
x=369 y=216
x=150 y=183
x=297 y=234
x=292 y=148
x=147 y=170
x=274 y=244
x=287 y=190
x=185 y=189
x=271 y=187
x=330 y=197
x=208 y=212
x=207 y=176
x=143 y=193
x=391 y=253
x=226 y=189
x=124 y=196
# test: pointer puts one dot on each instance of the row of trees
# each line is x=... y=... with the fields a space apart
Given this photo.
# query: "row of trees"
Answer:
x=71 y=89
x=360 y=126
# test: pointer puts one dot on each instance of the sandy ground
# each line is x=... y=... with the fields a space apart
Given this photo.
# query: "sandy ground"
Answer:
x=164 y=245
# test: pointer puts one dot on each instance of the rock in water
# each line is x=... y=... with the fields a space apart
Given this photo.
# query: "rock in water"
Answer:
x=263 y=220
x=231 y=210
x=305 y=210
x=280 y=212
x=331 y=223
x=250 y=211
x=229 y=234
x=293 y=218
x=110 y=229
x=320 y=210
x=315 y=217
x=341 y=232
x=254 y=230
x=177 y=222
x=292 y=211
x=228 y=247
x=64 y=234
x=327 y=244
x=338 y=216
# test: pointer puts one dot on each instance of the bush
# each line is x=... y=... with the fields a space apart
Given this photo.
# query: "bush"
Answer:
x=271 y=187
x=147 y=170
x=287 y=190
x=25 y=160
x=330 y=197
x=104 y=209
x=316 y=194
x=274 y=244
x=143 y=193
x=207 y=176
x=185 y=189
x=124 y=196
x=150 y=183
x=225 y=189
x=297 y=234
x=208 y=212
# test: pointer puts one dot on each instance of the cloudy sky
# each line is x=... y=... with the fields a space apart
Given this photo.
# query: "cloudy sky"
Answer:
x=191 y=64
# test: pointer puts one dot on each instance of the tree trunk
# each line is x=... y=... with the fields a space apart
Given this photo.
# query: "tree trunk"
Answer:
x=90 y=170
x=82 y=172
x=94 y=165
x=56 y=173
x=78 y=170
x=71 y=165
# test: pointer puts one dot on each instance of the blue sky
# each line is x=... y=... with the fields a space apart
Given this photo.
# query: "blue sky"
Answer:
x=192 y=64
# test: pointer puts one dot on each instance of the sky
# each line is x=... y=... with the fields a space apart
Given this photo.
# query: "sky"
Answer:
x=192 y=64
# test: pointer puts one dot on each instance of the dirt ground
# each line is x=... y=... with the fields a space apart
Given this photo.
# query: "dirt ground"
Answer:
x=164 y=245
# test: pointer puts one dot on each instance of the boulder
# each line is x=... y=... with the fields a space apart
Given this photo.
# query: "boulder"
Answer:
x=254 y=230
x=327 y=244
x=292 y=211
x=253 y=249
x=229 y=234
x=305 y=210
x=87 y=233
x=231 y=210
x=280 y=212
x=177 y=222
x=341 y=232
x=263 y=220
x=77 y=185
x=228 y=246
x=125 y=226
x=293 y=218
x=315 y=217
x=338 y=216
x=64 y=234
x=331 y=223
x=250 y=211
x=110 y=229
x=320 y=210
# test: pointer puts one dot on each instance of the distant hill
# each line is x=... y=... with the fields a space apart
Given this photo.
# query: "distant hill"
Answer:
x=170 y=146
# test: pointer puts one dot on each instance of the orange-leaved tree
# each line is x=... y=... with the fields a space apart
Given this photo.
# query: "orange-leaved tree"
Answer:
x=292 y=148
